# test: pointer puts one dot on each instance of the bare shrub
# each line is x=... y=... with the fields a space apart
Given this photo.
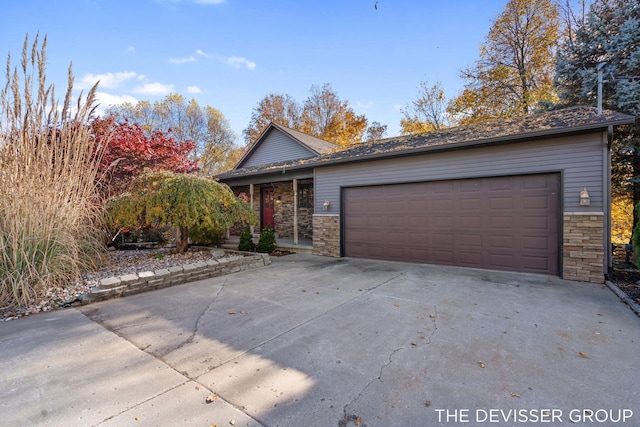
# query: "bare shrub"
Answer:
x=50 y=214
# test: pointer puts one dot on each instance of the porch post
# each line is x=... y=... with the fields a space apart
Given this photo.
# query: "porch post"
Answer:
x=295 y=211
x=251 y=228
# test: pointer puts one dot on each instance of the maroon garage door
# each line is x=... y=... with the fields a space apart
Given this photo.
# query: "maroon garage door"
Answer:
x=505 y=223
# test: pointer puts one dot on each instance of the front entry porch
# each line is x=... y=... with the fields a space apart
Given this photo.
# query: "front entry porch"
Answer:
x=285 y=206
x=301 y=246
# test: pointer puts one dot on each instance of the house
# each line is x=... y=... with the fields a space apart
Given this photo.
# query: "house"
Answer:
x=529 y=194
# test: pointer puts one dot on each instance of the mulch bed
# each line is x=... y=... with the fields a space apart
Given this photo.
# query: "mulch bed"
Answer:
x=625 y=275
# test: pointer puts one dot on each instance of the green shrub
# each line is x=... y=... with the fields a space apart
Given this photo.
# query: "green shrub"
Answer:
x=635 y=240
x=267 y=242
x=246 y=242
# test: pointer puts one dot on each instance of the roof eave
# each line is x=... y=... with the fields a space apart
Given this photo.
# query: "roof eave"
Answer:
x=479 y=142
x=590 y=127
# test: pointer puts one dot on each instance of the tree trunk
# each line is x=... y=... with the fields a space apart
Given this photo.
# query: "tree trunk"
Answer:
x=182 y=239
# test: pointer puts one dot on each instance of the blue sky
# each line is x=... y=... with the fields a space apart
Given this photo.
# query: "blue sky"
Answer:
x=231 y=53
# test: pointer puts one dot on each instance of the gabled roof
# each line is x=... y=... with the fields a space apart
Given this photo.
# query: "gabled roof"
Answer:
x=315 y=146
x=320 y=146
x=551 y=123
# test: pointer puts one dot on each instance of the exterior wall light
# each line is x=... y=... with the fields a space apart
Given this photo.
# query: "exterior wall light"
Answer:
x=584 y=198
x=325 y=205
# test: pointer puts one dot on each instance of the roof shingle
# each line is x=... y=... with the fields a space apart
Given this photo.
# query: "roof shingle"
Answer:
x=563 y=121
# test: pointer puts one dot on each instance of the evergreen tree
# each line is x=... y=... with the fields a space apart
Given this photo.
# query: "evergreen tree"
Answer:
x=267 y=242
x=246 y=242
x=609 y=35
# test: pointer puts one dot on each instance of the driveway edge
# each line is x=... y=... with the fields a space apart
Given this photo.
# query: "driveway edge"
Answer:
x=634 y=306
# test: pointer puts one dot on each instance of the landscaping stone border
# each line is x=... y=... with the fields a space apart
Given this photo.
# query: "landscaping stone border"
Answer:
x=129 y=284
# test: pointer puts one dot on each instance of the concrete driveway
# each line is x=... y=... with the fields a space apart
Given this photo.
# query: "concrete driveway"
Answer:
x=313 y=341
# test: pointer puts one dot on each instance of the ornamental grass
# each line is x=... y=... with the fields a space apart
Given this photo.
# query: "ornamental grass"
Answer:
x=51 y=225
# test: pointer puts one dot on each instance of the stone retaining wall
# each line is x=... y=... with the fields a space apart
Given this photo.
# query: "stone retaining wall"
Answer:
x=129 y=284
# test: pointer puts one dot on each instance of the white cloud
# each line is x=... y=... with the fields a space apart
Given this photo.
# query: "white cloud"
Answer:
x=210 y=1
x=105 y=100
x=238 y=61
x=182 y=60
x=107 y=80
x=154 y=89
x=364 y=106
x=193 y=89
x=398 y=106
x=203 y=53
x=131 y=49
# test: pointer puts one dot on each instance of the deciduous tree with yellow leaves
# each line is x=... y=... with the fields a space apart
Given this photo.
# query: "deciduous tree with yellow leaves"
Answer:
x=516 y=66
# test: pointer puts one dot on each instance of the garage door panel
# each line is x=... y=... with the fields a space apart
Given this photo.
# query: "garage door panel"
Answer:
x=439 y=222
x=537 y=223
x=442 y=239
x=502 y=260
x=535 y=263
x=500 y=222
x=535 y=202
x=440 y=205
x=469 y=259
x=471 y=204
x=469 y=186
x=536 y=243
x=467 y=221
x=501 y=242
x=509 y=223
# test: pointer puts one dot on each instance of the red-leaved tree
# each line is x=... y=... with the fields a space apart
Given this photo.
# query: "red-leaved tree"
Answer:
x=129 y=152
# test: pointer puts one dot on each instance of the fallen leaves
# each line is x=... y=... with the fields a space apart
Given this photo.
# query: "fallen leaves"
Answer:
x=583 y=355
x=212 y=398
x=481 y=364
x=513 y=394
x=358 y=421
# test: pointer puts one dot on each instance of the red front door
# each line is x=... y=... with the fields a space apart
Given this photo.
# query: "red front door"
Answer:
x=267 y=207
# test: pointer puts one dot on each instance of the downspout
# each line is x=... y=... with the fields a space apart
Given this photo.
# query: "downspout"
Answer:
x=295 y=211
x=608 y=255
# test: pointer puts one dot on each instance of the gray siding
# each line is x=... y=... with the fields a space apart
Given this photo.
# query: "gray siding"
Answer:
x=277 y=147
x=579 y=159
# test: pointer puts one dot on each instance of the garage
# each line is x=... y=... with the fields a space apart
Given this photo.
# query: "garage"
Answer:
x=504 y=223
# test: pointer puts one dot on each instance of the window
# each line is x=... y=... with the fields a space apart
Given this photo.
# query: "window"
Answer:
x=305 y=195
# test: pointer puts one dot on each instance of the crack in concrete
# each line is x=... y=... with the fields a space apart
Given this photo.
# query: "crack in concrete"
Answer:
x=353 y=417
x=435 y=324
x=260 y=344
x=189 y=340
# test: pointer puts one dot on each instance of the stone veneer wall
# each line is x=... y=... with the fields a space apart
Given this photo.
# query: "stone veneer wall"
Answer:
x=326 y=235
x=583 y=253
x=284 y=213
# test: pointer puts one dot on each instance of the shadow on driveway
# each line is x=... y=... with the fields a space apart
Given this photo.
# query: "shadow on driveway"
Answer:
x=317 y=341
